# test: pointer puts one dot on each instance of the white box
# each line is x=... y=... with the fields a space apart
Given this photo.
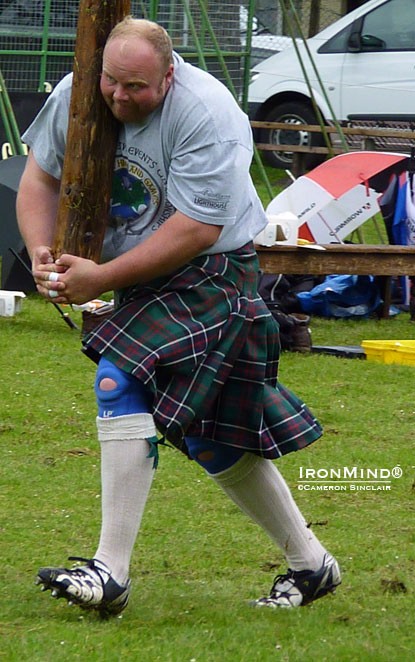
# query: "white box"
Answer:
x=10 y=302
x=281 y=229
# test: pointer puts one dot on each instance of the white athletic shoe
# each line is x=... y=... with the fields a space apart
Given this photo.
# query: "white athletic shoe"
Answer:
x=299 y=587
x=90 y=586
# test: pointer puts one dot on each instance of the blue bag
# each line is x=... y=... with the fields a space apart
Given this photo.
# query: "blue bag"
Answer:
x=342 y=296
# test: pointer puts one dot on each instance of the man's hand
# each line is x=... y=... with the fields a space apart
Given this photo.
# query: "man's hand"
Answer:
x=43 y=266
x=78 y=279
x=41 y=255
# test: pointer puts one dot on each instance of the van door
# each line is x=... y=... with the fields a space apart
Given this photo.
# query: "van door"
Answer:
x=378 y=78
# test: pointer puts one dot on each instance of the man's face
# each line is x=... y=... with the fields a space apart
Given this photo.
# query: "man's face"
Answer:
x=133 y=82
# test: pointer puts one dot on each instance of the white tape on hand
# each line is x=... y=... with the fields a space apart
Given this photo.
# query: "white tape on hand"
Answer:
x=54 y=276
x=53 y=293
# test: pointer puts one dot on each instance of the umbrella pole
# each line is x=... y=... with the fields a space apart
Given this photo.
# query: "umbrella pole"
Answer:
x=330 y=228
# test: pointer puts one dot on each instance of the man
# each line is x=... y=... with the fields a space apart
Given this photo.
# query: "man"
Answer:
x=191 y=349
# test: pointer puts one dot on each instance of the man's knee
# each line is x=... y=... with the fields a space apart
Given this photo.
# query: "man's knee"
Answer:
x=119 y=393
x=212 y=456
x=123 y=407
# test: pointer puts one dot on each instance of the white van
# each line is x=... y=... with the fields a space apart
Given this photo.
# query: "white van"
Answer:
x=366 y=62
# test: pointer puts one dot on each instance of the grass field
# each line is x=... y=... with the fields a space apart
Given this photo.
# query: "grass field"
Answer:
x=198 y=560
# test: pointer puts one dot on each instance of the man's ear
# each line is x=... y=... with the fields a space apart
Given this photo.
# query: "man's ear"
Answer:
x=168 y=77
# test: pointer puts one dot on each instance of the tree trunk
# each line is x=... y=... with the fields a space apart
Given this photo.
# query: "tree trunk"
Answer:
x=92 y=136
x=314 y=25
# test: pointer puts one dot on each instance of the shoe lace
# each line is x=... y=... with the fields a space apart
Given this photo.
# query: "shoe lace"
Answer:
x=90 y=563
x=280 y=579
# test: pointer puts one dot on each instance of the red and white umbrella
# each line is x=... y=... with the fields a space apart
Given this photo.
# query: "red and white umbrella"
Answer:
x=335 y=198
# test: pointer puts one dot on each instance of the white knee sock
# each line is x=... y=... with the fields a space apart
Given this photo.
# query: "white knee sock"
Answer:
x=126 y=475
x=257 y=487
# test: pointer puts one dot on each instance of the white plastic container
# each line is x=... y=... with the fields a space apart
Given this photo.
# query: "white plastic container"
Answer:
x=10 y=302
x=281 y=229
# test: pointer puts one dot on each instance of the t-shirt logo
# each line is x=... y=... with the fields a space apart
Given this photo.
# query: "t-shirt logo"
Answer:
x=129 y=197
x=207 y=198
x=135 y=199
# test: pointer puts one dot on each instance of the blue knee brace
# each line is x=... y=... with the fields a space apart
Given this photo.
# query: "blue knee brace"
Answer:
x=218 y=457
x=129 y=396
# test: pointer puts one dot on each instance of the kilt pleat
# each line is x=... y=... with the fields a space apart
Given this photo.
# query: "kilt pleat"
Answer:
x=207 y=348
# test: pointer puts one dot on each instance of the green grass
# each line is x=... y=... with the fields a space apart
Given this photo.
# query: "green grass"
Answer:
x=198 y=560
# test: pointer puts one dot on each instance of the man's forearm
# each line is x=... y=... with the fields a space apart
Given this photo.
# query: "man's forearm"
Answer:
x=34 y=228
x=36 y=206
x=177 y=241
x=174 y=244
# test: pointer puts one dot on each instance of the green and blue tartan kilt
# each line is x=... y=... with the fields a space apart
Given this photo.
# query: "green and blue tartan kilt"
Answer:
x=207 y=348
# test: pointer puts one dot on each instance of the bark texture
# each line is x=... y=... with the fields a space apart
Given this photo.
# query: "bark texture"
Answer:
x=92 y=136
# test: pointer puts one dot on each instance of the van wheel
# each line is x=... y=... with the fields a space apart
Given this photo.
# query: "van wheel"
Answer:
x=291 y=113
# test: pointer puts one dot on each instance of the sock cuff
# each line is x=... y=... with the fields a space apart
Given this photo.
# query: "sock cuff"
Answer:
x=129 y=426
x=238 y=471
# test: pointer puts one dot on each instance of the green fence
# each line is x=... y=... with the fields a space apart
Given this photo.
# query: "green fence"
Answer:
x=37 y=38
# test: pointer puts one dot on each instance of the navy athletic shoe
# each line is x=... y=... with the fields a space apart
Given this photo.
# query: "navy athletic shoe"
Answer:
x=299 y=587
x=90 y=586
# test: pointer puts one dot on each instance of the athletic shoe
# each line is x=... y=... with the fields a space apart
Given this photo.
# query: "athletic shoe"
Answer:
x=299 y=587
x=90 y=586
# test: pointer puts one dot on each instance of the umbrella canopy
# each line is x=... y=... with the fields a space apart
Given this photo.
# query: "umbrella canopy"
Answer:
x=335 y=198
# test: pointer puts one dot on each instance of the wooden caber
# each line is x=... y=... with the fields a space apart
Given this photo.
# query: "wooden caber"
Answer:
x=91 y=141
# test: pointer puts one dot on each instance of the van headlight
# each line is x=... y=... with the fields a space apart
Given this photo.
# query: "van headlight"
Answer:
x=253 y=76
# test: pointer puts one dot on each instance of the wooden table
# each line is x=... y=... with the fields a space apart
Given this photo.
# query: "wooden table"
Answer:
x=357 y=259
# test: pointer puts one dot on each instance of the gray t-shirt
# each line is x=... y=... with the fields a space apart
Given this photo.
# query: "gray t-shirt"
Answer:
x=192 y=155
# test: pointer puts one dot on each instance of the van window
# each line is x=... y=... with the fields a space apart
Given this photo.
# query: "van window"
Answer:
x=338 y=43
x=393 y=23
x=390 y=27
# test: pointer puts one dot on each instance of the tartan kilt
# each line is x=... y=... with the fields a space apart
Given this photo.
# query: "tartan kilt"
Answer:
x=205 y=345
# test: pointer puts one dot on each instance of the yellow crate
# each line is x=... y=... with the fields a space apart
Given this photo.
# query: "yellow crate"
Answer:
x=390 y=351
x=406 y=355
